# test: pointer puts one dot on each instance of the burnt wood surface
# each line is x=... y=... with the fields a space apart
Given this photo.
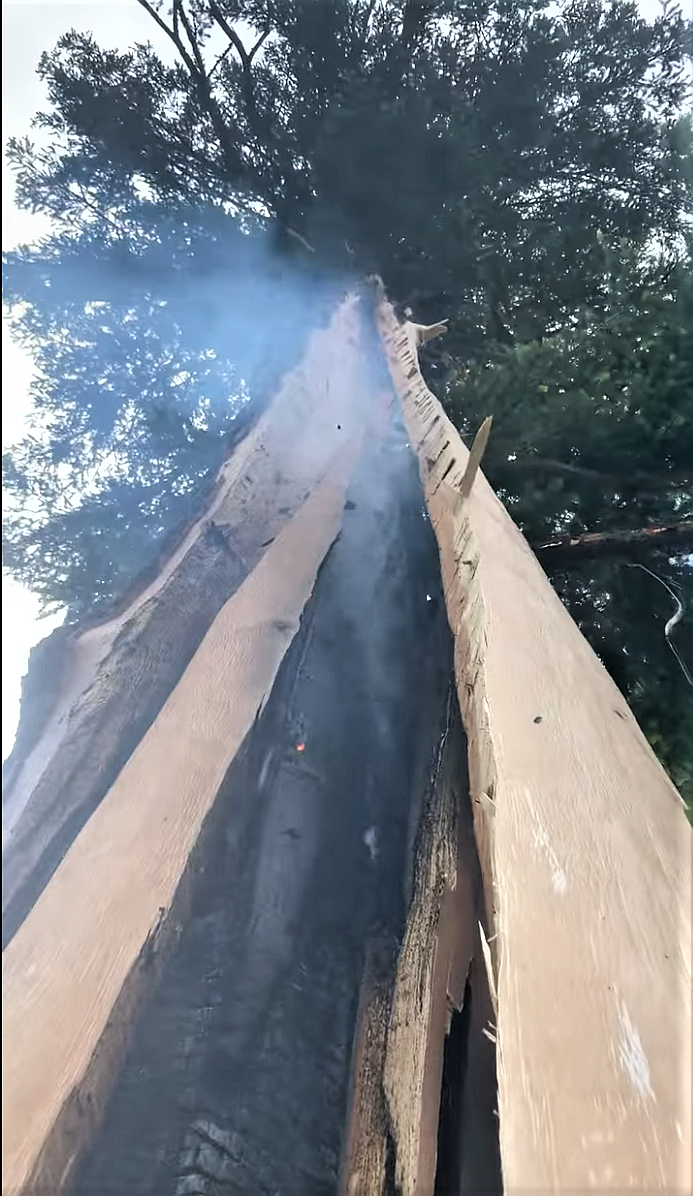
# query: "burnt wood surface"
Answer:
x=238 y=1074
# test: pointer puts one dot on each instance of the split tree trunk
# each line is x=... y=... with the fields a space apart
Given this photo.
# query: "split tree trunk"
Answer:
x=234 y=800
x=245 y=882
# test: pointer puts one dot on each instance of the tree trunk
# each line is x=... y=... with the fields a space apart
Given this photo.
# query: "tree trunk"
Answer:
x=248 y=777
x=251 y=885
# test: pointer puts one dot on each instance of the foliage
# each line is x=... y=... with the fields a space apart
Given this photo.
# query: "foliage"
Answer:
x=593 y=425
x=593 y=430
x=467 y=150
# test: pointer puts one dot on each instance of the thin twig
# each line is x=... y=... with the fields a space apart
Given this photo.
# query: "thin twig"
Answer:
x=673 y=621
x=262 y=38
x=220 y=59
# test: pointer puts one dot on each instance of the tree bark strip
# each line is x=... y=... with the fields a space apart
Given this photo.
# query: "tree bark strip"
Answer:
x=95 y=724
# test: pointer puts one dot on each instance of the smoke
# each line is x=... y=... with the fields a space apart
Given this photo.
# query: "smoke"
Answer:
x=156 y=346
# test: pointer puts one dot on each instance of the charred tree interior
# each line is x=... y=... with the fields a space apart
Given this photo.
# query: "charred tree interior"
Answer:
x=268 y=918
x=237 y=1078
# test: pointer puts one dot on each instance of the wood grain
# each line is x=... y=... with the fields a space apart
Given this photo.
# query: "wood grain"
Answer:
x=108 y=902
x=585 y=849
x=117 y=674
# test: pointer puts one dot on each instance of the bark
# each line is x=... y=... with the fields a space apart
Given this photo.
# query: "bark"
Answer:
x=148 y=645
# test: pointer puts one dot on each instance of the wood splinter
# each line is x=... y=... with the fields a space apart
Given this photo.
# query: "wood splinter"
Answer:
x=426 y=332
x=456 y=495
x=490 y=971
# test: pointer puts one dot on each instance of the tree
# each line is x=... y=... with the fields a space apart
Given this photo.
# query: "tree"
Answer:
x=468 y=152
x=481 y=155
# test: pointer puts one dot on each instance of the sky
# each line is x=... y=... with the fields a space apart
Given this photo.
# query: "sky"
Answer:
x=29 y=29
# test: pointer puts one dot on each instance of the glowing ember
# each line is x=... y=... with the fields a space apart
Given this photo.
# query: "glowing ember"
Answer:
x=300 y=747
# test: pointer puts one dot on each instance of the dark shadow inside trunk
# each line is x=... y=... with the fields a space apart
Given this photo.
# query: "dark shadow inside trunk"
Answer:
x=449 y=1165
x=468 y=1146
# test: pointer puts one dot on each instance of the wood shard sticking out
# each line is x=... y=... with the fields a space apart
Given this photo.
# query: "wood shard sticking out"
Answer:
x=475 y=454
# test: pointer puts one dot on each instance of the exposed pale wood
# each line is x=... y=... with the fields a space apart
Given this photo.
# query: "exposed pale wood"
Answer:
x=106 y=909
x=407 y=1003
x=586 y=852
x=117 y=674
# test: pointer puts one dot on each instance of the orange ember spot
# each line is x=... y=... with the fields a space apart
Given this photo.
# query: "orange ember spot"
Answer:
x=300 y=747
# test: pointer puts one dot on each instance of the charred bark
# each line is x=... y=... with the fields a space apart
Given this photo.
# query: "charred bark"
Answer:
x=237 y=1080
x=109 y=681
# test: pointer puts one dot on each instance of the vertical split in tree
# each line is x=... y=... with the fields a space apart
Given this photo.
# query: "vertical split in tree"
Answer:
x=282 y=921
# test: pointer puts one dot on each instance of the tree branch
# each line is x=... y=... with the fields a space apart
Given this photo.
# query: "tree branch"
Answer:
x=172 y=33
x=567 y=552
x=638 y=478
x=196 y=69
x=258 y=121
x=199 y=61
x=219 y=61
x=230 y=33
x=258 y=124
x=260 y=41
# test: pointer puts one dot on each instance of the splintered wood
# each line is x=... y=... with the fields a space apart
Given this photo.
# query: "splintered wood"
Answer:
x=68 y=964
x=584 y=846
x=585 y=850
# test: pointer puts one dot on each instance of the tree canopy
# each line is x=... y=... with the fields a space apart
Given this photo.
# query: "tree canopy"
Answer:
x=467 y=150
x=518 y=166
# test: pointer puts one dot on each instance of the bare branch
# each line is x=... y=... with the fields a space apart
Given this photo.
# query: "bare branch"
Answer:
x=174 y=36
x=230 y=33
x=637 y=478
x=262 y=38
x=198 y=74
x=674 y=537
x=259 y=123
x=178 y=5
x=302 y=241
